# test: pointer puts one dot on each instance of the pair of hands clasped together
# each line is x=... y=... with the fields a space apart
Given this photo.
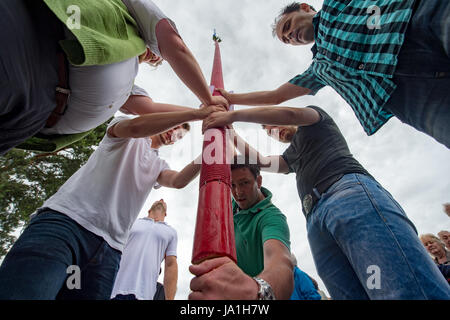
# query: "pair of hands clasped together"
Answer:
x=217 y=116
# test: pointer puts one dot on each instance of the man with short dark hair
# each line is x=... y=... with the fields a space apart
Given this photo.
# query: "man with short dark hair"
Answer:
x=357 y=232
x=384 y=58
x=262 y=247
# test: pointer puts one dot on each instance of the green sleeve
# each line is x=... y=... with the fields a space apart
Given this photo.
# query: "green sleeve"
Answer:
x=274 y=226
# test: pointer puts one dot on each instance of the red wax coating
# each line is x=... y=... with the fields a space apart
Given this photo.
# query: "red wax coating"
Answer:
x=214 y=230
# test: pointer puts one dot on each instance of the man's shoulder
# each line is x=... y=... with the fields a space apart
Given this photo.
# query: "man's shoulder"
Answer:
x=109 y=139
x=166 y=227
x=118 y=119
x=267 y=204
x=271 y=211
x=322 y=113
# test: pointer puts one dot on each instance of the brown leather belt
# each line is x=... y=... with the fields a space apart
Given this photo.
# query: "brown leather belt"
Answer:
x=62 y=92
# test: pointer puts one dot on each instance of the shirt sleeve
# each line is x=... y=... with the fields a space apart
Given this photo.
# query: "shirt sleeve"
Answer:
x=115 y=120
x=147 y=16
x=308 y=79
x=163 y=165
x=274 y=226
x=290 y=156
x=118 y=119
x=138 y=91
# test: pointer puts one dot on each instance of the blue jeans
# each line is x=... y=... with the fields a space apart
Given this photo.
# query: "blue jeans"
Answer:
x=365 y=247
x=37 y=266
x=422 y=97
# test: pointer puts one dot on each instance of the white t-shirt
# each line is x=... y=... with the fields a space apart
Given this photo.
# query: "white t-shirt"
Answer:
x=149 y=243
x=106 y=195
x=98 y=92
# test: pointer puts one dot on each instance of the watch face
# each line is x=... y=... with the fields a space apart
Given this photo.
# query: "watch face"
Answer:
x=307 y=203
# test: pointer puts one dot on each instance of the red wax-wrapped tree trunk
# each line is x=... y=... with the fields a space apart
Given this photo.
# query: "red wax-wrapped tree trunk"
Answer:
x=214 y=231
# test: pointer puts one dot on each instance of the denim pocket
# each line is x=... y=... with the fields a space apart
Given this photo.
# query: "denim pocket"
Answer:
x=387 y=193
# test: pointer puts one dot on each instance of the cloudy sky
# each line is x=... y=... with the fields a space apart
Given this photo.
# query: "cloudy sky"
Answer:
x=409 y=164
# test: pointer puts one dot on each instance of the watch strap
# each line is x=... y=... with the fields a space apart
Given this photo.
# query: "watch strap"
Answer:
x=265 y=290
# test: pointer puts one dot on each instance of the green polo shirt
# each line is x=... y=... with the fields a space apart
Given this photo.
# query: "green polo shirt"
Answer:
x=253 y=227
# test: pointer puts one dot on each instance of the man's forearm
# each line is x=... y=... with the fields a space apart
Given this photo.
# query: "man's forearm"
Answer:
x=141 y=105
x=182 y=61
x=170 y=281
x=285 y=92
x=281 y=279
x=275 y=116
x=248 y=151
x=188 y=70
x=189 y=173
x=155 y=123
x=259 y=98
x=278 y=269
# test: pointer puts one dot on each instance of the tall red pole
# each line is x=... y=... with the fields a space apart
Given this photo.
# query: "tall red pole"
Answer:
x=214 y=231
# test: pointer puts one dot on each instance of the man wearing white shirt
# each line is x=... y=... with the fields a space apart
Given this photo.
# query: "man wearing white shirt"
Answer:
x=151 y=242
x=72 y=247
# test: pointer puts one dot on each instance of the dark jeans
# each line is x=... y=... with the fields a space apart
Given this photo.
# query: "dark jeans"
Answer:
x=422 y=97
x=125 y=297
x=29 y=34
x=160 y=293
x=37 y=266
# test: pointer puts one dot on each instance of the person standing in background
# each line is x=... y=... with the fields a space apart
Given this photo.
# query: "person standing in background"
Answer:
x=151 y=242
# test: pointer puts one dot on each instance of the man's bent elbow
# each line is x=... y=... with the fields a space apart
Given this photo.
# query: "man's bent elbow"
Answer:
x=179 y=185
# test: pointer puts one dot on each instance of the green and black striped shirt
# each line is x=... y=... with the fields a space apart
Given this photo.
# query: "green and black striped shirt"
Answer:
x=357 y=43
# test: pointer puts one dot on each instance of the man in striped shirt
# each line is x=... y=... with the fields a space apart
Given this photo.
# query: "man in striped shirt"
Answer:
x=384 y=57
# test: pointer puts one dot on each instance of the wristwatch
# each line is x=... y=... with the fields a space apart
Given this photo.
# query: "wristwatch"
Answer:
x=265 y=290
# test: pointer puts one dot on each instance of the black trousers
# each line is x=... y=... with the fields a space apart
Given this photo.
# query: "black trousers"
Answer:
x=29 y=34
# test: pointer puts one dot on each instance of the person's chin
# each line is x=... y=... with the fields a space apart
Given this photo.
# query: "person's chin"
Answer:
x=242 y=205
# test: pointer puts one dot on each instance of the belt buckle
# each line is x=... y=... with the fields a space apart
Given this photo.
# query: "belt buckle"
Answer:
x=307 y=204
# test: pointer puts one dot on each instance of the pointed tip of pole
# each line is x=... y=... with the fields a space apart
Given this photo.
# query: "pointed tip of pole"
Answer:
x=216 y=38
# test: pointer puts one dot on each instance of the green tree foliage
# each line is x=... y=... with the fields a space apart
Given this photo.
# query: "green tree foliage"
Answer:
x=27 y=179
